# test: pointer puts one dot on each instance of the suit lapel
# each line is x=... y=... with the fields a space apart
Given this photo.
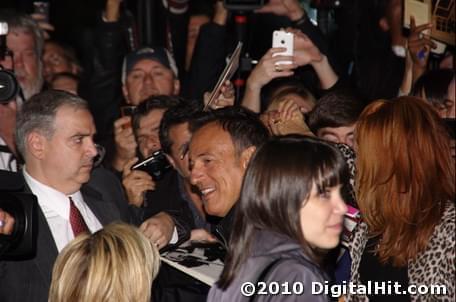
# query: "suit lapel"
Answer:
x=46 y=251
x=46 y=248
x=104 y=211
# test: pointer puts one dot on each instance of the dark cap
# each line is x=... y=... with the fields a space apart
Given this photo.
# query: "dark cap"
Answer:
x=158 y=54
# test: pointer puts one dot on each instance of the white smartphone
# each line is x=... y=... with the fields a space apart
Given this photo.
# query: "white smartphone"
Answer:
x=284 y=39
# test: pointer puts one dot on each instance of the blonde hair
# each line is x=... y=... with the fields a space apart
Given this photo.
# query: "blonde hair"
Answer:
x=117 y=263
x=405 y=175
x=284 y=93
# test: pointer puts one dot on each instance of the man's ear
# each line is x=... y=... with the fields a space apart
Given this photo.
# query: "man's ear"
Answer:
x=383 y=24
x=125 y=94
x=176 y=87
x=36 y=144
x=246 y=155
x=171 y=160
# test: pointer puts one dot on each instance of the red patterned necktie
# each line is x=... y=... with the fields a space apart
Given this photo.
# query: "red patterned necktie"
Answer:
x=77 y=222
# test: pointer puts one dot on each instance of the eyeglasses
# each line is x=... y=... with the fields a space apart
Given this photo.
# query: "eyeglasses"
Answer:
x=101 y=152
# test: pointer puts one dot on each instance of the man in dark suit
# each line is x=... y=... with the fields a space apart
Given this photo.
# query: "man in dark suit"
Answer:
x=55 y=136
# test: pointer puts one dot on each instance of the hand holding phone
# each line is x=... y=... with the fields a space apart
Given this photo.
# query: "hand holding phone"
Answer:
x=283 y=39
x=42 y=8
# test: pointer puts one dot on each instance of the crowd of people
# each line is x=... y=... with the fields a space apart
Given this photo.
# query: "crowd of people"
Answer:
x=269 y=171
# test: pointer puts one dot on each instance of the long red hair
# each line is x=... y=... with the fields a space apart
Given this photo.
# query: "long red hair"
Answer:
x=405 y=175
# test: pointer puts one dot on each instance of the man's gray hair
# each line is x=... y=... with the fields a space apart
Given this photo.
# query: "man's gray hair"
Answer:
x=19 y=22
x=38 y=114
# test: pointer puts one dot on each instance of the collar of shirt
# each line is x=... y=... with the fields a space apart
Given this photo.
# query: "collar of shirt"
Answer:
x=50 y=199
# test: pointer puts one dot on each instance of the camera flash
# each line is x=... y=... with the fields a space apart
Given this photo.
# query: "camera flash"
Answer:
x=3 y=28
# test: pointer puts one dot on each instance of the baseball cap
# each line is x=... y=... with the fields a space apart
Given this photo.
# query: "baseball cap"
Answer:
x=158 y=54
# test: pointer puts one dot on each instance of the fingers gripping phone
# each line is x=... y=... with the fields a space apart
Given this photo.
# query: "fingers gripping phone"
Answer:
x=283 y=39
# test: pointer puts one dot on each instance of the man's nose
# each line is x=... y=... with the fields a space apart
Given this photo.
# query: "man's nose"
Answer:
x=148 y=78
x=92 y=150
x=153 y=143
x=18 y=60
x=195 y=174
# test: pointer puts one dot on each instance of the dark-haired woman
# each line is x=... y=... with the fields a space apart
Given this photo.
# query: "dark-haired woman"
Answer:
x=290 y=210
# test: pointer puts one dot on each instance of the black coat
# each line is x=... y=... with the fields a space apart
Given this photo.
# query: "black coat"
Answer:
x=29 y=280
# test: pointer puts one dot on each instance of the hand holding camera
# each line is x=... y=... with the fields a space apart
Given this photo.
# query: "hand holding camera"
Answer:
x=305 y=51
x=6 y=223
x=41 y=16
x=268 y=68
x=283 y=39
x=136 y=183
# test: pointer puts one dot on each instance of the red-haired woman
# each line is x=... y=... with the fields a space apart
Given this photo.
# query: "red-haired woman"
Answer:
x=406 y=191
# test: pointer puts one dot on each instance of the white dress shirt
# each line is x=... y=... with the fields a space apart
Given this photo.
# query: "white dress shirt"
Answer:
x=7 y=161
x=56 y=208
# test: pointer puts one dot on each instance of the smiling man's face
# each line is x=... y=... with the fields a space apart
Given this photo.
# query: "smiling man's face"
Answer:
x=216 y=169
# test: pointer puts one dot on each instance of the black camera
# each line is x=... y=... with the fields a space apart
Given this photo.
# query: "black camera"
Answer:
x=243 y=5
x=8 y=83
x=23 y=207
x=156 y=165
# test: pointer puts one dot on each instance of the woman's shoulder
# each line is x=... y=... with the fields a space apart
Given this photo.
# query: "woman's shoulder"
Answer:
x=449 y=215
x=435 y=265
x=296 y=269
x=445 y=229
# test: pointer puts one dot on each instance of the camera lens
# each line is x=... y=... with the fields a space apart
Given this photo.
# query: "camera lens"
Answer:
x=8 y=86
x=282 y=41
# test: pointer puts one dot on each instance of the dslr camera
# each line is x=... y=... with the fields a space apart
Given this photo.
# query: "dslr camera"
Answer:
x=156 y=165
x=23 y=207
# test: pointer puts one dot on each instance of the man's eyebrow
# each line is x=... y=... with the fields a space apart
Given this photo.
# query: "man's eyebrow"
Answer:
x=203 y=154
x=78 y=134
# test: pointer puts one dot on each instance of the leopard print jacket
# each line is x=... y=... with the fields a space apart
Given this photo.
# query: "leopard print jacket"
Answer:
x=435 y=265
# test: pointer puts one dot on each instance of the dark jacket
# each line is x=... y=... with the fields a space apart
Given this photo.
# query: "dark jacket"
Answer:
x=296 y=267
x=166 y=197
x=101 y=82
x=29 y=280
x=222 y=230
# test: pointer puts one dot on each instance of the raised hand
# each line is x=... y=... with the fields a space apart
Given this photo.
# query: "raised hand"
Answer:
x=287 y=119
x=125 y=141
x=419 y=44
x=305 y=51
x=268 y=69
x=136 y=183
x=225 y=98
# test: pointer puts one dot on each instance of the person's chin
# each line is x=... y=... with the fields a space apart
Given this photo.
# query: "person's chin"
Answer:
x=85 y=171
x=212 y=206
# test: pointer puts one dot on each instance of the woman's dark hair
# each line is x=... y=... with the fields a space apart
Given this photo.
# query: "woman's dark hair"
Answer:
x=277 y=182
x=433 y=86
